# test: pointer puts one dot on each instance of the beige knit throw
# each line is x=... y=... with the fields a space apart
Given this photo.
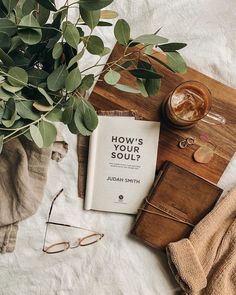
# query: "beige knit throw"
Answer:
x=206 y=262
x=23 y=170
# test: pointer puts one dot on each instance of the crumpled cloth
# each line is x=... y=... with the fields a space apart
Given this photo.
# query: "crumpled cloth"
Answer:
x=205 y=264
x=23 y=170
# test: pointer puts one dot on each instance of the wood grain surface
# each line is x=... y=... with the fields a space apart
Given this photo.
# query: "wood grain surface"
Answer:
x=223 y=137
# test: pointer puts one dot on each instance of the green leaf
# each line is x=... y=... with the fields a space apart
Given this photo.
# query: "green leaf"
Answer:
x=71 y=34
x=146 y=74
x=160 y=62
x=6 y=59
x=7 y=26
x=90 y=17
x=44 y=93
x=36 y=136
x=94 y=4
x=15 y=43
x=126 y=88
x=106 y=51
x=87 y=82
x=9 y=116
x=55 y=115
x=37 y=76
x=57 y=51
x=112 y=77
x=79 y=120
x=170 y=47
x=10 y=88
x=104 y=24
x=48 y=4
x=48 y=132
x=43 y=15
x=67 y=115
x=75 y=59
x=56 y=80
x=29 y=33
x=5 y=41
x=150 y=39
x=9 y=4
x=142 y=88
x=95 y=45
x=108 y=14
x=176 y=62
x=2 y=109
x=122 y=32
x=152 y=86
x=90 y=119
x=25 y=110
x=17 y=77
x=1 y=143
x=73 y=80
x=4 y=95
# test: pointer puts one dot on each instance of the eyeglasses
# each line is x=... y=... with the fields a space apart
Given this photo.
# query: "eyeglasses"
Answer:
x=65 y=245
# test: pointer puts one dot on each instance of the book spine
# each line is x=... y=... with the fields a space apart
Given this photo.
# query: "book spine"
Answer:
x=91 y=170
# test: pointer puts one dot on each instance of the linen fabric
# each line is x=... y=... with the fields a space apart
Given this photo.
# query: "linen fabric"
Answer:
x=205 y=264
x=23 y=170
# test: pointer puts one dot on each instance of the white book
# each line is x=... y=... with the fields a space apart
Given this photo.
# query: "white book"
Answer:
x=121 y=164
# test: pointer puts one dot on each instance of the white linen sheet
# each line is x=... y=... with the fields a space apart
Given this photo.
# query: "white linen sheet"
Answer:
x=118 y=264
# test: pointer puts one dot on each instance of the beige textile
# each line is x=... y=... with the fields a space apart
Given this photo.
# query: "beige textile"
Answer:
x=205 y=264
x=23 y=171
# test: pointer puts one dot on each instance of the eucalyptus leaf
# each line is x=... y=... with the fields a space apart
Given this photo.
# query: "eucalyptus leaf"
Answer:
x=108 y=14
x=7 y=26
x=17 y=77
x=170 y=47
x=25 y=110
x=48 y=4
x=79 y=121
x=29 y=30
x=90 y=17
x=90 y=119
x=15 y=43
x=6 y=59
x=9 y=4
x=71 y=34
x=55 y=115
x=67 y=115
x=37 y=76
x=112 y=77
x=9 y=115
x=56 y=80
x=48 y=132
x=5 y=41
x=46 y=95
x=36 y=136
x=10 y=88
x=75 y=59
x=57 y=51
x=176 y=62
x=73 y=80
x=141 y=87
x=104 y=24
x=152 y=86
x=126 y=88
x=106 y=51
x=87 y=82
x=150 y=39
x=146 y=74
x=122 y=32
x=94 y=4
x=160 y=62
x=2 y=109
x=41 y=107
x=1 y=142
x=4 y=94
x=95 y=45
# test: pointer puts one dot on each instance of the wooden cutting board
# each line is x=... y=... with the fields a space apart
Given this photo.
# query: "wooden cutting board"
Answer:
x=105 y=97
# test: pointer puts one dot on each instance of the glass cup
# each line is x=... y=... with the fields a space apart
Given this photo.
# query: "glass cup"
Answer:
x=190 y=102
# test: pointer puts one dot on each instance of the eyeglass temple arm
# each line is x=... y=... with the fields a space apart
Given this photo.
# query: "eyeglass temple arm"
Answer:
x=68 y=225
x=49 y=214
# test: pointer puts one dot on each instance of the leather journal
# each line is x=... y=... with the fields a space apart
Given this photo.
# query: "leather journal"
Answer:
x=177 y=201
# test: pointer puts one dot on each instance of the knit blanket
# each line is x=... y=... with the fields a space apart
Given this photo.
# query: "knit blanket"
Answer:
x=117 y=264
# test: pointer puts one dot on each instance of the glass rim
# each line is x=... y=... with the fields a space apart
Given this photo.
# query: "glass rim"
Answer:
x=100 y=236
x=202 y=86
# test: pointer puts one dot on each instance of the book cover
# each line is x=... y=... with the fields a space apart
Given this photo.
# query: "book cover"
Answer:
x=121 y=164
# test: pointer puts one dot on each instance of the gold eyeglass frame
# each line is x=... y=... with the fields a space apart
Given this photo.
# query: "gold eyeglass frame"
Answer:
x=67 y=244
